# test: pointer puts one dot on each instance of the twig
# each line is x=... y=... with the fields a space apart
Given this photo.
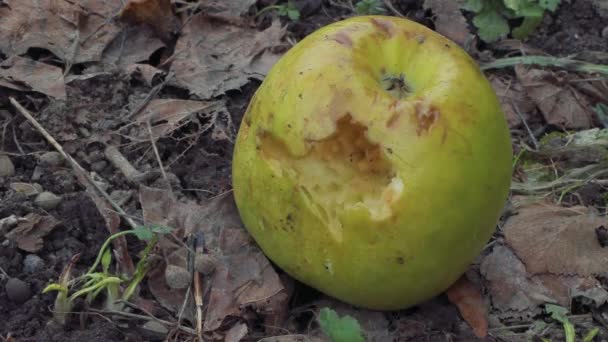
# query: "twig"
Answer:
x=79 y=169
x=523 y=120
x=566 y=63
x=149 y=97
x=147 y=318
x=390 y=6
x=160 y=162
x=17 y=141
x=121 y=163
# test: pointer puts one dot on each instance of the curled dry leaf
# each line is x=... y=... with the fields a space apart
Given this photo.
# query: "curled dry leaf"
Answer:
x=243 y=278
x=212 y=57
x=561 y=105
x=510 y=93
x=30 y=231
x=40 y=77
x=450 y=21
x=467 y=297
x=558 y=240
x=230 y=9
x=145 y=71
x=132 y=45
x=157 y=14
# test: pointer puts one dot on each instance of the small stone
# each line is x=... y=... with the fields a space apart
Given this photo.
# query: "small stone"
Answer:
x=99 y=166
x=26 y=188
x=47 y=200
x=205 y=264
x=17 y=290
x=32 y=264
x=154 y=330
x=7 y=169
x=177 y=277
x=605 y=32
x=37 y=174
x=52 y=158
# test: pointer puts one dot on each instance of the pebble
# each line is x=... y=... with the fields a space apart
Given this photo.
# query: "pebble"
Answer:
x=7 y=168
x=52 y=158
x=33 y=264
x=47 y=200
x=38 y=172
x=17 y=290
x=204 y=264
x=177 y=277
x=605 y=32
x=99 y=166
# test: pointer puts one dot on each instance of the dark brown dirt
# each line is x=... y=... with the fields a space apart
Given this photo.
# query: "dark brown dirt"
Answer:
x=202 y=170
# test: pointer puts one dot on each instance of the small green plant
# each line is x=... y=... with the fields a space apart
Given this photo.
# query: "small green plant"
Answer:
x=339 y=329
x=559 y=313
x=93 y=282
x=491 y=16
x=287 y=9
x=369 y=7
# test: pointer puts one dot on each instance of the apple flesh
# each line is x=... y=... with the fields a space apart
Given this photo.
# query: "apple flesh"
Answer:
x=373 y=162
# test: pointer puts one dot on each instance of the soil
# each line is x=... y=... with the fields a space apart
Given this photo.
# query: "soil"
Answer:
x=202 y=170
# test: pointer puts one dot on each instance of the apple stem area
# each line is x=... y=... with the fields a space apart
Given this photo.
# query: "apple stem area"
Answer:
x=397 y=86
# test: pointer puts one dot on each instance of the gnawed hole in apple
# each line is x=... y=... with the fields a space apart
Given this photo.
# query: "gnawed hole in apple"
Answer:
x=341 y=172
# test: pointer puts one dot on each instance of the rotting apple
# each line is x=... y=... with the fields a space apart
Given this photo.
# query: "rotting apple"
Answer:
x=373 y=162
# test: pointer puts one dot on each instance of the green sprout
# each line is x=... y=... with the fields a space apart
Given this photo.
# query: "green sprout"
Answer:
x=559 y=314
x=288 y=9
x=93 y=282
x=339 y=329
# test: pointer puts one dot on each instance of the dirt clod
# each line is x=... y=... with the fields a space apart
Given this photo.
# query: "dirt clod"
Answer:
x=17 y=290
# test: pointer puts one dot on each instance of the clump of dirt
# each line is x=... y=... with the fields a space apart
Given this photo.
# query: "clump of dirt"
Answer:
x=576 y=26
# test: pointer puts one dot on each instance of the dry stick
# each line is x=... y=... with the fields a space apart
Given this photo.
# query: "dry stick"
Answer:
x=147 y=318
x=390 y=6
x=71 y=160
x=122 y=164
x=150 y=96
x=160 y=162
x=523 y=120
x=566 y=63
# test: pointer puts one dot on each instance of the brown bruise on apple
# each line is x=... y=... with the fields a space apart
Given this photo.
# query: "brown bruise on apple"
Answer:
x=342 y=172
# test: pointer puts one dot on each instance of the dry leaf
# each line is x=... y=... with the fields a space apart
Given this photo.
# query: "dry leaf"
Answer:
x=467 y=297
x=30 y=232
x=553 y=239
x=510 y=93
x=243 y=278
x=158 y=14
x=167 y=115
x=560 y=104
x=132 y=45
x=227 y=8
x=40 y=77
x=513 y=289
x=74 y=31
x=212 y=56
x=449 y=21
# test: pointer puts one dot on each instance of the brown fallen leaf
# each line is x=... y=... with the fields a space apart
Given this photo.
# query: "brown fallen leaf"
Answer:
x=449 y=20
x=40 y=77
x=133 y=44
x=232 y=9
x=243 y=277
x=552 y=239
x=513 y=290
x=30 y=231
x=467 y=297
x=561 y=105
x=510 y=93
x=73 y=31
x=212 y=57
x=236 y=333
x=157 y=14
x=167 y=115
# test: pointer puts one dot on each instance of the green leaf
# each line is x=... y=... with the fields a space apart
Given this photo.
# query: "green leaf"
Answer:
x=369 y=7
x=550 y=5
x=491 y=26
x=106 y=259
x=527 y=26
x=294 y=15
x=345 y=329
x=143 y=232
x=157 y=228
x=473 y=6
x=55 y=287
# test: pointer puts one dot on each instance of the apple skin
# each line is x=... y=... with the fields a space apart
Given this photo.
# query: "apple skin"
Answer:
x=381 y=199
